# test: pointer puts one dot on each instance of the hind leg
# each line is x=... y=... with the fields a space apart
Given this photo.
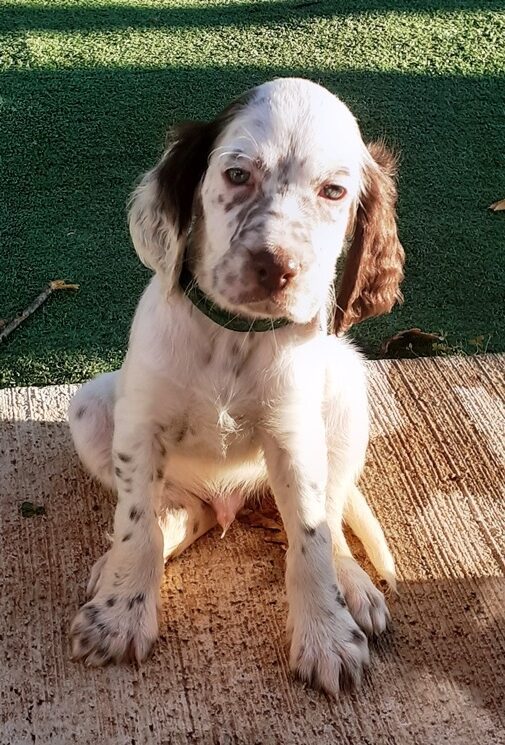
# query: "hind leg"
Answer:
x=182 y=517
x=91 y=418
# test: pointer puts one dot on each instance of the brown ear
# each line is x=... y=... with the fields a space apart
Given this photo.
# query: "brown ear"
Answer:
x=373 y=269
x=161 y=207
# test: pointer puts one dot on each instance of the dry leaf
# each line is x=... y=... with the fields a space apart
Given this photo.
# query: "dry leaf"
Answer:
x=280 y=539
x=266 y=517
x=477 y=342
x=258 y=520
x=410 y=343
x=497 y=206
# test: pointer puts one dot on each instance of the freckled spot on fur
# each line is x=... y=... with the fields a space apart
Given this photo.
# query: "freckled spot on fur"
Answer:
x=124 y=457
x=136 y=599
x=159 y=474
x=92 y=613
x=180 y=433
x=239 y=198
x=126 y=537
x=309 y=531
x=118 y=472
x=338 y=596
x=135 y=514
x=80 y=412
x=196 y=527
x=110 y=602
x=303 y=550
x=220 y=199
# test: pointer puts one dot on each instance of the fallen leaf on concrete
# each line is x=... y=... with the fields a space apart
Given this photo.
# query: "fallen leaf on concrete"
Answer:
x=410 y=343
x=280 y=539
x=258 y=520
x=266 y=517
x=497 y=206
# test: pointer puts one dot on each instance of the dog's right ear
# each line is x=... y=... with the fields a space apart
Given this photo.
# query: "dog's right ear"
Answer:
x=161 y=207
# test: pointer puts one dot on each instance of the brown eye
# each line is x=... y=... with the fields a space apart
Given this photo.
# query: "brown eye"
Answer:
x=237 y=176
x=333 y=192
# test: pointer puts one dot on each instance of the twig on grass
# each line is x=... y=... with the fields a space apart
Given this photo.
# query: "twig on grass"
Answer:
x=55 y=284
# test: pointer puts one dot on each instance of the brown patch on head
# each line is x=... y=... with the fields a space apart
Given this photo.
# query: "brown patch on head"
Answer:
x=231 y=278
x=373 y=269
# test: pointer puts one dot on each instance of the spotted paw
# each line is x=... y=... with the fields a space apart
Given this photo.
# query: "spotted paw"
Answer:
x=115 y=627
x=329 y=653
x=365 y=602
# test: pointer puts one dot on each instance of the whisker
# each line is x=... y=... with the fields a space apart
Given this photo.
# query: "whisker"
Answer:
x=249 y=135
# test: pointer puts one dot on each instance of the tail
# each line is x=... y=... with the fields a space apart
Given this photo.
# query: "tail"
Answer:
x=366 y=527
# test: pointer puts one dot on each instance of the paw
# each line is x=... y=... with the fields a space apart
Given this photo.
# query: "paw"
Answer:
x=115 y=627
x=365 y=602
x=329 y=653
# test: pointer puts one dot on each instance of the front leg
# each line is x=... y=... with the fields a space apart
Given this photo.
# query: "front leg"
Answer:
x=328 y=649
x=121 y=620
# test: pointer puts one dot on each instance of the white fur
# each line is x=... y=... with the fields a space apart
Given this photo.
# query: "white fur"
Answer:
x=201 y=418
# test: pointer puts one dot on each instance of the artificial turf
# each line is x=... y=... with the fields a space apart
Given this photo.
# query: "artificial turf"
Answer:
x=88 y=88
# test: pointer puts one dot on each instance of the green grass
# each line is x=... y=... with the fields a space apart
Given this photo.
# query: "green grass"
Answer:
x=87 y=90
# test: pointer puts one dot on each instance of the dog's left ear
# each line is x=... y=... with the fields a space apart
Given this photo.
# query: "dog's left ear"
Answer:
x=373 y=269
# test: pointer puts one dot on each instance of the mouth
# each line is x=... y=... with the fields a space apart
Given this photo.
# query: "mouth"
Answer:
x=272 y=306
x=236 y=315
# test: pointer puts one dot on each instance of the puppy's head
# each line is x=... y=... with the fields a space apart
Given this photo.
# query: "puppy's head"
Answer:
x=264 y=199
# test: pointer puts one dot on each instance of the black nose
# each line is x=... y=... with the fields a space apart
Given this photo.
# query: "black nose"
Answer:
x=273 y=270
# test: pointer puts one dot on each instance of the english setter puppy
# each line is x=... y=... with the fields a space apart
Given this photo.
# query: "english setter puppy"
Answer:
x=237 y=378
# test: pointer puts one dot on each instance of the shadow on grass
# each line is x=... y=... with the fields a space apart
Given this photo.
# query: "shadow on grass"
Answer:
x=113 y=16
x=73 y=142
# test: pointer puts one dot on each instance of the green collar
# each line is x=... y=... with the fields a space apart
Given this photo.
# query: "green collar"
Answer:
x=223 y=317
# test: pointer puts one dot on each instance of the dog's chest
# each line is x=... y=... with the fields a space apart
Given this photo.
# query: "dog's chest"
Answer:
x=216 y=413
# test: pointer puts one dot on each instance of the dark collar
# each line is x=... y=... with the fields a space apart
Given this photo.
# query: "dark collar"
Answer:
x=221 y=316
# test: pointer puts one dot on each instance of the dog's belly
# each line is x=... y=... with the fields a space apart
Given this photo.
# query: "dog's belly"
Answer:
x=220 y=462
x=223 y=484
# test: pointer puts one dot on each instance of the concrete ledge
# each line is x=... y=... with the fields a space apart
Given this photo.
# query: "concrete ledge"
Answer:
x=219 y=673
